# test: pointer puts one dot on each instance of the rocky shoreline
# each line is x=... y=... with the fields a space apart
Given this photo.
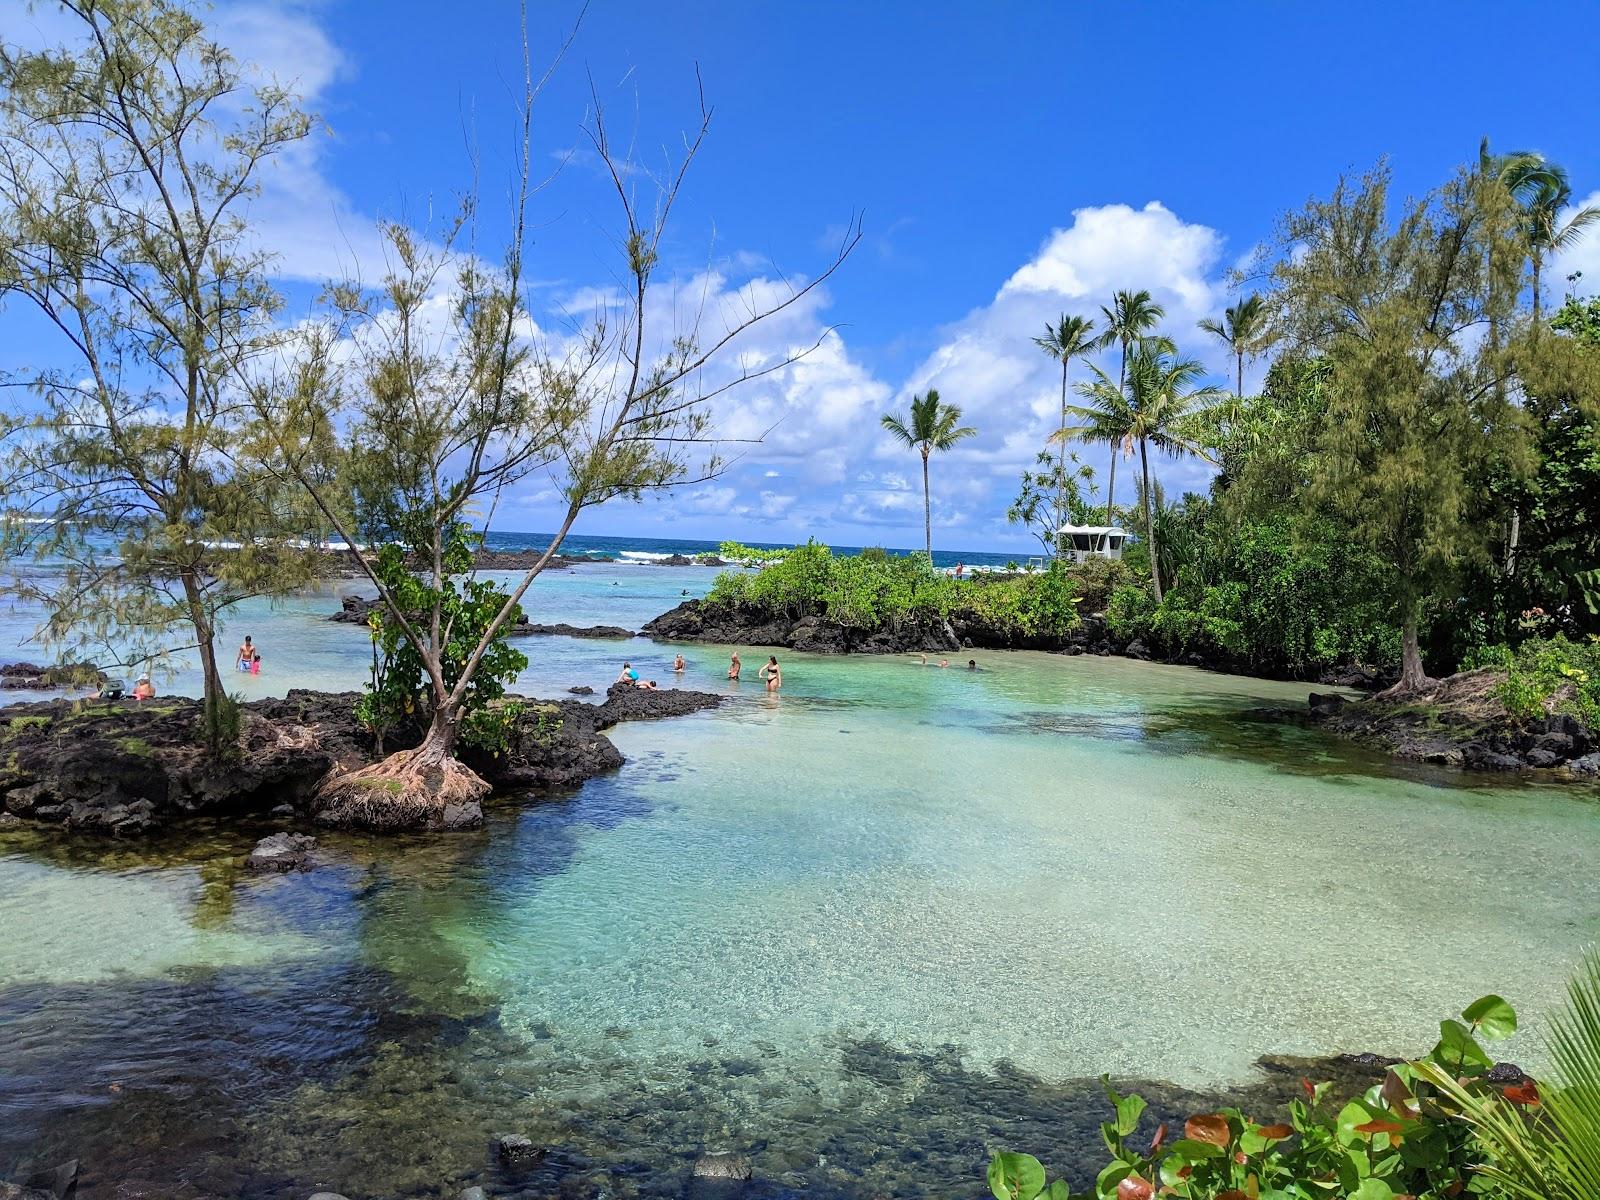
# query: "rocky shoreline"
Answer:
x=735 y=624
x=1461 y=723
x=123 y=768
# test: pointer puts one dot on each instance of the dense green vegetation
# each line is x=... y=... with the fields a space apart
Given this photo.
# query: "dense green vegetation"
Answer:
x=878 y=590
x=1434 y=1128
x=1549 y=674
x=1418 y=480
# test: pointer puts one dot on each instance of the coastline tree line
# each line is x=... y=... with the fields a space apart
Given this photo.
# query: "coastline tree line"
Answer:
x=1416 y=481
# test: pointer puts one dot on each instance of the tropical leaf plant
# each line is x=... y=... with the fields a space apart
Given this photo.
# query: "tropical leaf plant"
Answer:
x=1542 y=1141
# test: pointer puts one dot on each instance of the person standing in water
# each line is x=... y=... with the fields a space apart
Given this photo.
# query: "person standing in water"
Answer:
x=678 y=664
x=734 y=667
x=247 y=654
x=772 y=673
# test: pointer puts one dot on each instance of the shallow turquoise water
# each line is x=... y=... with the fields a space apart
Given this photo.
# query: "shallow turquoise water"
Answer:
x=868 y=929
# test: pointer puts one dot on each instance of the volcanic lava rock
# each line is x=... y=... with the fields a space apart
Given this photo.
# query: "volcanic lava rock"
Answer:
x=282 y=852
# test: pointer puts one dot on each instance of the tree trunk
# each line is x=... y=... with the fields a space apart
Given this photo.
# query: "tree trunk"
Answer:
x=212 y=694
x=1413 y=678
x=439 y=744
x=1239 y=390
x=1061 y=463
x=1513 y=541
x=1150 y=522
x=1536 y=270
x=927 y=510
x=1111 y=484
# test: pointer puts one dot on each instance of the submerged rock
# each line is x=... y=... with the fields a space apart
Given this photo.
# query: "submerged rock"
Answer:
x=516 y=1150
x=582 y=689
x=722 y=1165
x=57 y=1184
x=282 y=852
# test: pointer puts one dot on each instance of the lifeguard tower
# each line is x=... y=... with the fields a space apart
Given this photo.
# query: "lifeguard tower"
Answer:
x=1079 y=543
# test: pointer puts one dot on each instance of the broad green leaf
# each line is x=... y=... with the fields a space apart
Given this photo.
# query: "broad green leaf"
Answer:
x=1458 y=1050
x=1110 y=1175
x=1492 y=1017
x=1190 y=1150
x=1129 y=1110
x=1373 y=1189
x=1352 y=1114
x=1058 y=1191
x=1015 y=1177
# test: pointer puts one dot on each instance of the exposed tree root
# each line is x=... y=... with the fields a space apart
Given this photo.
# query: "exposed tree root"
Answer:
x=399 y=795
x=1410 y=689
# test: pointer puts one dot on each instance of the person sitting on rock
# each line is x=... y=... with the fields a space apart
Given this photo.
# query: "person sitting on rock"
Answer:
x=144 y=689
x=628 y=674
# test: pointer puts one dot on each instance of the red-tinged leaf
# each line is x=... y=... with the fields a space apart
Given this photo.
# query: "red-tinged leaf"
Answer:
x=1526 y=1092
x=1377 y=1126
x=1233 y=1194
x=1208 y=1127
x=1134 y=1188
x=1395 y=1092
x=1185 y=1172
x=1276 y=1133
x=1309 y=1088
x=1240 y=1157
x=1159 y=1140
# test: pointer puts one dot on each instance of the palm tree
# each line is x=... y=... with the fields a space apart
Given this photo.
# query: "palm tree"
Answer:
x=1545 y=193
x=1244 y=331
x=1129 y=319
x=932 y=426
x=1105 y=417
x=1168 y=404
x=1069 y=338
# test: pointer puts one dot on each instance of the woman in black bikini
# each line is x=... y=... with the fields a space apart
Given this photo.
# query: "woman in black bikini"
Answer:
x=772 y=673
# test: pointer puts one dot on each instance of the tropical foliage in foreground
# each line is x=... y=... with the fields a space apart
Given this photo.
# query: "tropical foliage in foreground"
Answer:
x=1434 y=1128
x=875 y=589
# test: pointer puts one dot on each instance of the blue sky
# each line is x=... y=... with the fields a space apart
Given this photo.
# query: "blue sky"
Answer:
x=1011 y=162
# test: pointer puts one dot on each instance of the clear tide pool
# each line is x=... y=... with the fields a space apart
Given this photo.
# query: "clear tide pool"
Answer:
x=866 y=931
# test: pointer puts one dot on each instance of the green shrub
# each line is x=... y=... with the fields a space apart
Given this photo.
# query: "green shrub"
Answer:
x=1403 y=1137
x=1551 y=674
x=399 y=689
x=878 y=590
x=1129 y=611
x=748 y=556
